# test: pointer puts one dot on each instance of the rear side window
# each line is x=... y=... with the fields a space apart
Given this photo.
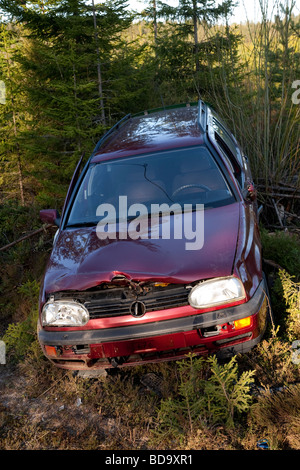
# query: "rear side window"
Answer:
x=229 y=150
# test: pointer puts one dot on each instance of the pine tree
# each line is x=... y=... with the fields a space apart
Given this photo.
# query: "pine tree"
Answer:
x=192 y=13
x=66 y=43
x=194 y=58
x=209 y=394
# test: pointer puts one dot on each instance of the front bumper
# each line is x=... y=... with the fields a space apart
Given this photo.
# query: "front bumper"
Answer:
x=202 y=333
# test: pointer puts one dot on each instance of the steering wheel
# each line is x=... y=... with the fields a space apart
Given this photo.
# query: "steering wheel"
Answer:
x=187 y=186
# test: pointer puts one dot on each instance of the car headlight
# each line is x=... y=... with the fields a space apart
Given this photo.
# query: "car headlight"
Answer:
x=216 y=292
x=64 y=313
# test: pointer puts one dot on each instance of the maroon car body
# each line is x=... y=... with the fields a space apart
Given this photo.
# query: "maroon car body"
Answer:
x=135 y=294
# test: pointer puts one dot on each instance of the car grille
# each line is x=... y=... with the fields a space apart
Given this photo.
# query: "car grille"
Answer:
x=118 y=301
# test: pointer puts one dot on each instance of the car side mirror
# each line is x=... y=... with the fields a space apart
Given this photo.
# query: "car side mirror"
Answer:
x=50 y=216
x=250 y=192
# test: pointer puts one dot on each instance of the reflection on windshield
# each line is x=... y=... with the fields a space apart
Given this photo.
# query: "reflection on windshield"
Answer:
x=177 y=177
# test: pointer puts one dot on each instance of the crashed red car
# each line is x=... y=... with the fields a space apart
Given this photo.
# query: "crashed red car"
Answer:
x=158 y=249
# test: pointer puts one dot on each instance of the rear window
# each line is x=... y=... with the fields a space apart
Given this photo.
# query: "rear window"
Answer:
x=183 y=176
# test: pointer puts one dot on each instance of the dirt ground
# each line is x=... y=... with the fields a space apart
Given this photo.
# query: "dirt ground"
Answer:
x=48 y=422
x=51 y=420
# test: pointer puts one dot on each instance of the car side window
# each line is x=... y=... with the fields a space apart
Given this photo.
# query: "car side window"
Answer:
x=229 y=150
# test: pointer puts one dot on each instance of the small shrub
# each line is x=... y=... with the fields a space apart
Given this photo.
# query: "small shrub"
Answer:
x=291 y=296
x=204 y=402
x=20 y=335
x=273 y=362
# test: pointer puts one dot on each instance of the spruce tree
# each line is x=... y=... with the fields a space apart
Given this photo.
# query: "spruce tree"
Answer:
x=66 y=42
x=193 y=13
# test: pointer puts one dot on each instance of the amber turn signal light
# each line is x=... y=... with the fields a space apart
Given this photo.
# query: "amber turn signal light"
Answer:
x=242 y=323
x=51 y=351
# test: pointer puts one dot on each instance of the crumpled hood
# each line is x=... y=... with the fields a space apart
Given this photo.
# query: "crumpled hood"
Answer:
x=80 y=260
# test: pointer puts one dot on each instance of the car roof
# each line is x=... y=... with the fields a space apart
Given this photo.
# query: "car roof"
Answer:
x=152 y=131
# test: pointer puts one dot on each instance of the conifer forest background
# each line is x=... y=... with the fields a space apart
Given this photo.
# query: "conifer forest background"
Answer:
x=71 y=69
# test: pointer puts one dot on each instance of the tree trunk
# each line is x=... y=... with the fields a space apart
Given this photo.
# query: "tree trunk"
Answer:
x=155 y=21
x=196 y=44
x=100 y=90
x=19 y=167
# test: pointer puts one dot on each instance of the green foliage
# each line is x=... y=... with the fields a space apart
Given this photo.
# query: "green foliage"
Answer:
x=30 y=290
x=18 y=339
x=228 y=393
x=68 y=51
x=291 y=294
x=282 y=248
x=73 y=69
x=218 y=398
x=15 y=220
x=272 y=360
x=12 y=116
x=21 y=268
x=19 y=336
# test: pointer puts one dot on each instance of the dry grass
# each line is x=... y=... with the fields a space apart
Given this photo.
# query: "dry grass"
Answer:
x=276 y=416
x=42 y=407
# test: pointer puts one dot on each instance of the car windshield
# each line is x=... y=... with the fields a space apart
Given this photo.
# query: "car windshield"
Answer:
x=184 y=176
